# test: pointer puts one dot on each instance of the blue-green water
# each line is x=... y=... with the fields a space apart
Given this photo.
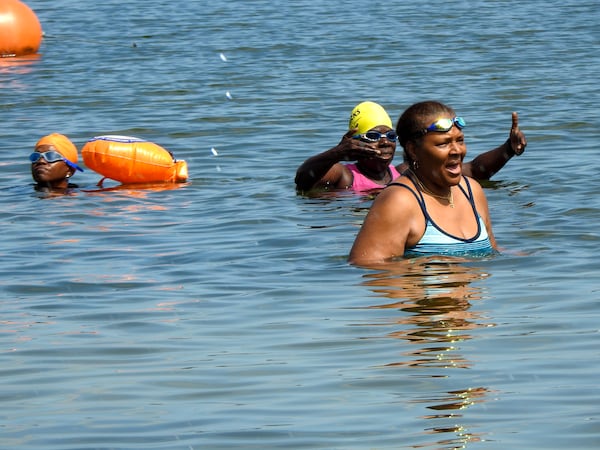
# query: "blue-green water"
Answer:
x=222 y=313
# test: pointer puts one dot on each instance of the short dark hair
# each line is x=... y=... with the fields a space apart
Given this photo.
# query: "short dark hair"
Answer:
x=411 y=122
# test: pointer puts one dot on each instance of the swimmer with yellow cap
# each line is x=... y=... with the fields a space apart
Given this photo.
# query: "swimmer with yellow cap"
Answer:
x=370 y=141
x=53 y=162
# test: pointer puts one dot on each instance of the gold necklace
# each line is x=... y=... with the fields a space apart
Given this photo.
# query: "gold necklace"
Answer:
x=449 y=198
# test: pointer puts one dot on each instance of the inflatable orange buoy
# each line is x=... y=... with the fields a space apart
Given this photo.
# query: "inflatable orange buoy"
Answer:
x=132 y=160
x=20 y=29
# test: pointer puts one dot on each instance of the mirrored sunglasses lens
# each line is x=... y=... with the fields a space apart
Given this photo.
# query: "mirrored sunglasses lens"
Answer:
x=53 y=156
x=373 y=136
x=441 y=125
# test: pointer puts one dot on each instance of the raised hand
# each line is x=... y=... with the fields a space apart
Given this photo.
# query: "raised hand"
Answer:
x=354 y=149
x=517 y=139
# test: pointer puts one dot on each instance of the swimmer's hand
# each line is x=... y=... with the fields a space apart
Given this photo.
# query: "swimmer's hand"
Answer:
x=353 y=149
x=516 y=139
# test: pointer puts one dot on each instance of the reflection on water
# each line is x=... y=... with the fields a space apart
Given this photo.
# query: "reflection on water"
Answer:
x=453 y=402
x=136 y=190
x=16 y=66
x=434 y=296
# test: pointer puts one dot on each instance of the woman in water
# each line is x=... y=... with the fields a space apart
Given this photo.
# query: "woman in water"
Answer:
x=53 y=163
x=432 y=209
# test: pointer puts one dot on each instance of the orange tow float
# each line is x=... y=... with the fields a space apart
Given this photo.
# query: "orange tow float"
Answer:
x=132 y=160
x=20 y=29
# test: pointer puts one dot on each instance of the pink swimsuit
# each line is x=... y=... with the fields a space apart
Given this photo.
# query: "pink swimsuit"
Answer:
x=362 y=183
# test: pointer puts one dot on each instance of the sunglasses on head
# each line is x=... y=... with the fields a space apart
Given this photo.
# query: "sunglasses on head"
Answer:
x=375 y=136
x=52 y=157
x=443 y=125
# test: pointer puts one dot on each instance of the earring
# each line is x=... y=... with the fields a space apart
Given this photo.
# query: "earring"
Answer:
x=415 y=165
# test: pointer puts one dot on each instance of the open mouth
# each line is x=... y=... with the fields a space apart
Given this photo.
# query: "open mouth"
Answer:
x=454 y=168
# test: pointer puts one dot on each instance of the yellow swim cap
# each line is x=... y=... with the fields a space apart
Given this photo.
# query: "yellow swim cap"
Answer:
x=62 y=144
x=367 y=115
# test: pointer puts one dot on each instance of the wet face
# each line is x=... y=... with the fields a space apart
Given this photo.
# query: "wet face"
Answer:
x=440 y=154
x=52 y=174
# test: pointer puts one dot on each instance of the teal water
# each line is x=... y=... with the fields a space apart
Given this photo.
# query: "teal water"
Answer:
x=221 y=313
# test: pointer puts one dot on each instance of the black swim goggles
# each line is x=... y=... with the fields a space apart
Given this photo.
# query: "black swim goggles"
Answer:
x=52 y=157
x=443 y=125
x=375 y=136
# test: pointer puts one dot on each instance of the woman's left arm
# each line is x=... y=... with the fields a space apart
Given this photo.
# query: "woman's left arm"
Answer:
x=490 y=162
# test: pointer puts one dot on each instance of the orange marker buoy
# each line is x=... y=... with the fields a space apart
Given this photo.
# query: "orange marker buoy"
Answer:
x=20 y=29
x=132 y=160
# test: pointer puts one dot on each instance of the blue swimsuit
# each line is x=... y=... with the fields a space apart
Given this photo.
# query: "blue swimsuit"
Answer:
x=436 y=241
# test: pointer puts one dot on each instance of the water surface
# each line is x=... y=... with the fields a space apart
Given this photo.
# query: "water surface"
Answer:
x=221 y=313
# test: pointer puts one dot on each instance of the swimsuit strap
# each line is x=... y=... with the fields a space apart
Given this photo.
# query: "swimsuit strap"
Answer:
x=469 y=195
x=418 y=196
